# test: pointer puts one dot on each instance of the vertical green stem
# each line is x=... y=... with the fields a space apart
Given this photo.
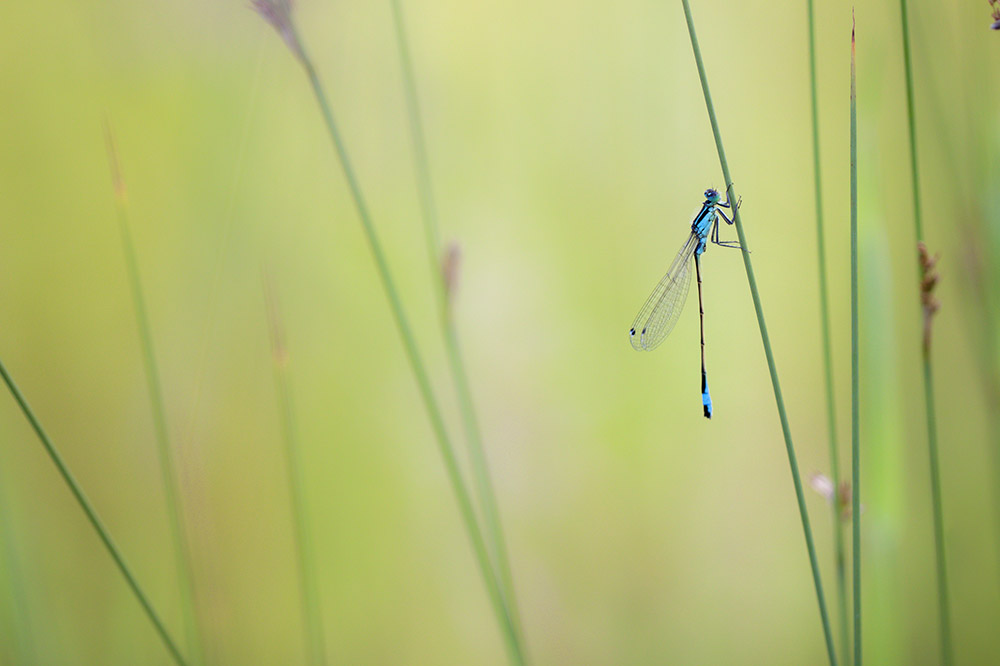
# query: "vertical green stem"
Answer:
x=786 y=431
x=171 y=488
x=942 y=577
x=420 y=373
x=308 y=583
x=831 y=412
x=944 y=614
x=92 y=516
x=855 y=379
x=477 y=454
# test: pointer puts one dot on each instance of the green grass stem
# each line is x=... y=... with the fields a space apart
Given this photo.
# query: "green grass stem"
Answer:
x=278 y=14
x=420 y=374
x=94 y=519
x=786 y=431
x=308 y=583
x=171 y=486
x=971 y=180
x=855 y=378
x=944 y=613
x=824 y=306
x=477 y=453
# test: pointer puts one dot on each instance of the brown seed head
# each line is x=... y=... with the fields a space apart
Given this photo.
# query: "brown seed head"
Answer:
x=928 y=281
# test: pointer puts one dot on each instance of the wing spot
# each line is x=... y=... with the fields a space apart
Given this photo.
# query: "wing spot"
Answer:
x=631 y=332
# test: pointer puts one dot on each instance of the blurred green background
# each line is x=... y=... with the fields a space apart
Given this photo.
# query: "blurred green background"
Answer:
x=569 y=146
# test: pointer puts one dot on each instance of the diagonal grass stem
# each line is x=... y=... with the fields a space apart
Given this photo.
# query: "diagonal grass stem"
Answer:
x=171 y=487
x=420 y=374
x=477 y=453
x=278 y=14
x=94 y=519
x=308 y=583
x=786 y=431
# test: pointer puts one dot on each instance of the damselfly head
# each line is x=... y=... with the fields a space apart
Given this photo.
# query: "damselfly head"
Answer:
x=711 y=195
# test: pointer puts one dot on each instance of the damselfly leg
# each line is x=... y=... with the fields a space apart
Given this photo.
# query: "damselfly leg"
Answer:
x=715 y=234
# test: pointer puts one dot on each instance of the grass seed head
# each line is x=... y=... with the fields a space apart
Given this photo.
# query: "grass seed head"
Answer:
x=279 y=14
x=928 y=281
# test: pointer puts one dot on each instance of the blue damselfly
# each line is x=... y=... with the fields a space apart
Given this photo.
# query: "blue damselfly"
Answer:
x=663 y=307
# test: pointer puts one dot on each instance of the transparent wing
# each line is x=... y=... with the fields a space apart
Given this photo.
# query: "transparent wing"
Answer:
x=663 y=307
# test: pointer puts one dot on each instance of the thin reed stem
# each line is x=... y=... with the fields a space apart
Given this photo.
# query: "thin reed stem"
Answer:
x=171 y=487
x=944 y=613
x=308 y=583
x=786 y=431
x=824 y=307
x=279 y=15
x=92 y=516
x=855 y=378
x=477 y=453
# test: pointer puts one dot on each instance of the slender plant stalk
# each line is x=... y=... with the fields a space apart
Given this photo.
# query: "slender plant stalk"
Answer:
x=824 y=306
x=308 y=583
x=944 y=614
x=171 y=487
x=855 y=379
x=278 y=14
x=477 y=454
x=786 y=431
x=92 y=516
x=420 y=374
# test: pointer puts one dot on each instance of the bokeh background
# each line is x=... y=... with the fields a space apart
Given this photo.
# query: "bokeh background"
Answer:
x=569 y=146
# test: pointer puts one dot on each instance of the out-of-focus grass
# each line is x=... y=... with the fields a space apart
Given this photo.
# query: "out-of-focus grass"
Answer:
x=569 y=148
x=444 y=263
x=312 y=612
x=839 y=556
x=926 y=357
x=855 y=367
x=165 y=450
x=100 y=530
x=884 y=506
x=17 y=612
